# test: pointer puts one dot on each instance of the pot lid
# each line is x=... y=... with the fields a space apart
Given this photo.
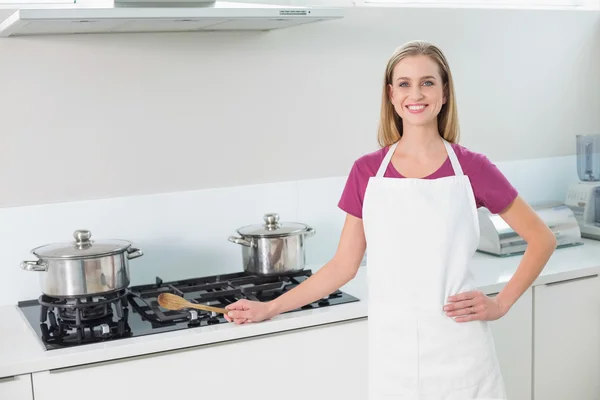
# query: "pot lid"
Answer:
x=81 y=247
x=273 y=228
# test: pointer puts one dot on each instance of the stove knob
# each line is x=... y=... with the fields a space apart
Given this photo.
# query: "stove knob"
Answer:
x=104 y=329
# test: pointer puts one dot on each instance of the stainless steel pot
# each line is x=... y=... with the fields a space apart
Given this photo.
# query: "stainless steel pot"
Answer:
x=273 y=248
x=83 y=267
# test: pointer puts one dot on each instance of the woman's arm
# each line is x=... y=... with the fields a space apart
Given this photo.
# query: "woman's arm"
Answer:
x=333 y=275
x=541 y=243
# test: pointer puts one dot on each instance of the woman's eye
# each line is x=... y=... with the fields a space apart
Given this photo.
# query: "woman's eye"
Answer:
x=405 y=84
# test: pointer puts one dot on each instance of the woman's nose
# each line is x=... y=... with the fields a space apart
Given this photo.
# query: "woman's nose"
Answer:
x=416 y=93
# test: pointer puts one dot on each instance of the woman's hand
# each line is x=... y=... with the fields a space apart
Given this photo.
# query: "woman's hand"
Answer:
x=247 y=311
x=474 y=305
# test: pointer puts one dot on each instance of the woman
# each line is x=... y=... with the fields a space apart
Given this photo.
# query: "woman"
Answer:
x=414 y=202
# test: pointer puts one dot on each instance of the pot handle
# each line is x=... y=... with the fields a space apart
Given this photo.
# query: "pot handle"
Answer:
x=132 y=253
x=237 y=240
x=37 y=266
x=310 y=231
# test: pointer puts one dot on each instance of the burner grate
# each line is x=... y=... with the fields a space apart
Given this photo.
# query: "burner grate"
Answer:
x=217 y=290
x=77 y=320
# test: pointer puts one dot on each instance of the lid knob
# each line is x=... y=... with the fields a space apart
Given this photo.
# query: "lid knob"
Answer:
x=82 y=237
x=271 y=221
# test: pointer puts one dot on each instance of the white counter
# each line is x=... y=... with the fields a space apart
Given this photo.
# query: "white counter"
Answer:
x=22 y=352
x=492 y=273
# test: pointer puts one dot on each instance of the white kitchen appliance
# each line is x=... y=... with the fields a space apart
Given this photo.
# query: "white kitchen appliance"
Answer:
x=52 y=17
x=499 y=239
x=583 y=197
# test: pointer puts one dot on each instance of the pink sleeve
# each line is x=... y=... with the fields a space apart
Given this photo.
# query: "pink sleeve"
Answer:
x=491 y=188
x=353 y=194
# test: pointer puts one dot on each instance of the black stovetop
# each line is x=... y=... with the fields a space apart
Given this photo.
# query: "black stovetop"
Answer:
x=62 y=323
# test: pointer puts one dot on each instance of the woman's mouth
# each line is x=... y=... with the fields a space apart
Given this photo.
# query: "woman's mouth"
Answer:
x=416 y=108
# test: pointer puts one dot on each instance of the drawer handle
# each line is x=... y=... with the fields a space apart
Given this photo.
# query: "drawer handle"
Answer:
x=8 y=379
x=581 y=278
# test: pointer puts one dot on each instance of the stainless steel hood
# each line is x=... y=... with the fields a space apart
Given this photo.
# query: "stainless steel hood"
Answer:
x=158 y=16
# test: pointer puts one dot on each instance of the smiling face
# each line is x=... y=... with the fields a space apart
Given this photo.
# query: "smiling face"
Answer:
x=417 y=91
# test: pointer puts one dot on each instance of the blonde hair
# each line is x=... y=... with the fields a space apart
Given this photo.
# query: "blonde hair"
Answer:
x=390 y=123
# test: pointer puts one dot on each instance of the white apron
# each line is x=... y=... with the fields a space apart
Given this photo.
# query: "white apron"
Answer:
x=421 y=235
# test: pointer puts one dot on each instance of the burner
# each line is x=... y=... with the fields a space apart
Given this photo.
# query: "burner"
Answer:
x=77 y=320
x=85 y=314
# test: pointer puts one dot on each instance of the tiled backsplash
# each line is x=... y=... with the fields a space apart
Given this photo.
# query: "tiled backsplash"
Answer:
x=185 y=234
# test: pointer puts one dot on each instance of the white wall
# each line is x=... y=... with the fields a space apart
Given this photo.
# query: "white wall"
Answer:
x=190 y=136
x=184 y=234
x=101 y=116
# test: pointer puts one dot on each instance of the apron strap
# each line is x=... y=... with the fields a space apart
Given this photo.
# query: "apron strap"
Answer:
x=453 y=159
x=386 y=161
x=451 y=154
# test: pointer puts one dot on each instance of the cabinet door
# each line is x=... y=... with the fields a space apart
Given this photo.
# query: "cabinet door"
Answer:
x=16 y=388
x=325 y=362
x=567 y=340
x=513 y=338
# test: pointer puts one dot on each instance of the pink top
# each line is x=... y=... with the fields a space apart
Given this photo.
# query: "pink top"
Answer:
x=490 y=187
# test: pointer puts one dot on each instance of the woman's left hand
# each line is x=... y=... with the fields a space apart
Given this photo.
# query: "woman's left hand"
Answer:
x=474 y=305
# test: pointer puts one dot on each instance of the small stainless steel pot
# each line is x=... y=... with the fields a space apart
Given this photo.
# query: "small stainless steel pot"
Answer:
x=273 y=248
x=83 y=267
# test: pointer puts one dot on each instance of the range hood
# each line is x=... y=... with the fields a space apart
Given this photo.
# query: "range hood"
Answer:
x=157 y=16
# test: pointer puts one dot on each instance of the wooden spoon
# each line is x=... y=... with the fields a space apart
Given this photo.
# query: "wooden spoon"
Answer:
x=173 y=302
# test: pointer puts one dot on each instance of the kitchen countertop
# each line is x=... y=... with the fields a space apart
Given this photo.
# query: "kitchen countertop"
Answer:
x=22 y=352
x=491 y=273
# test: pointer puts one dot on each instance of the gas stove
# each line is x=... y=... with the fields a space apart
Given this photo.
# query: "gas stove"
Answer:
x=76 y=321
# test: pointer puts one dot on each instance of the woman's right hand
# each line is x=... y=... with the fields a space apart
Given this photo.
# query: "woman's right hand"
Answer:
x=247 y=311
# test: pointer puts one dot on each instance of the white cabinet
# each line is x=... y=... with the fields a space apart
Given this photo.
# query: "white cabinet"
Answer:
x=513 y=338
x=16 y=388
x=325 y=362
x=567 y=340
